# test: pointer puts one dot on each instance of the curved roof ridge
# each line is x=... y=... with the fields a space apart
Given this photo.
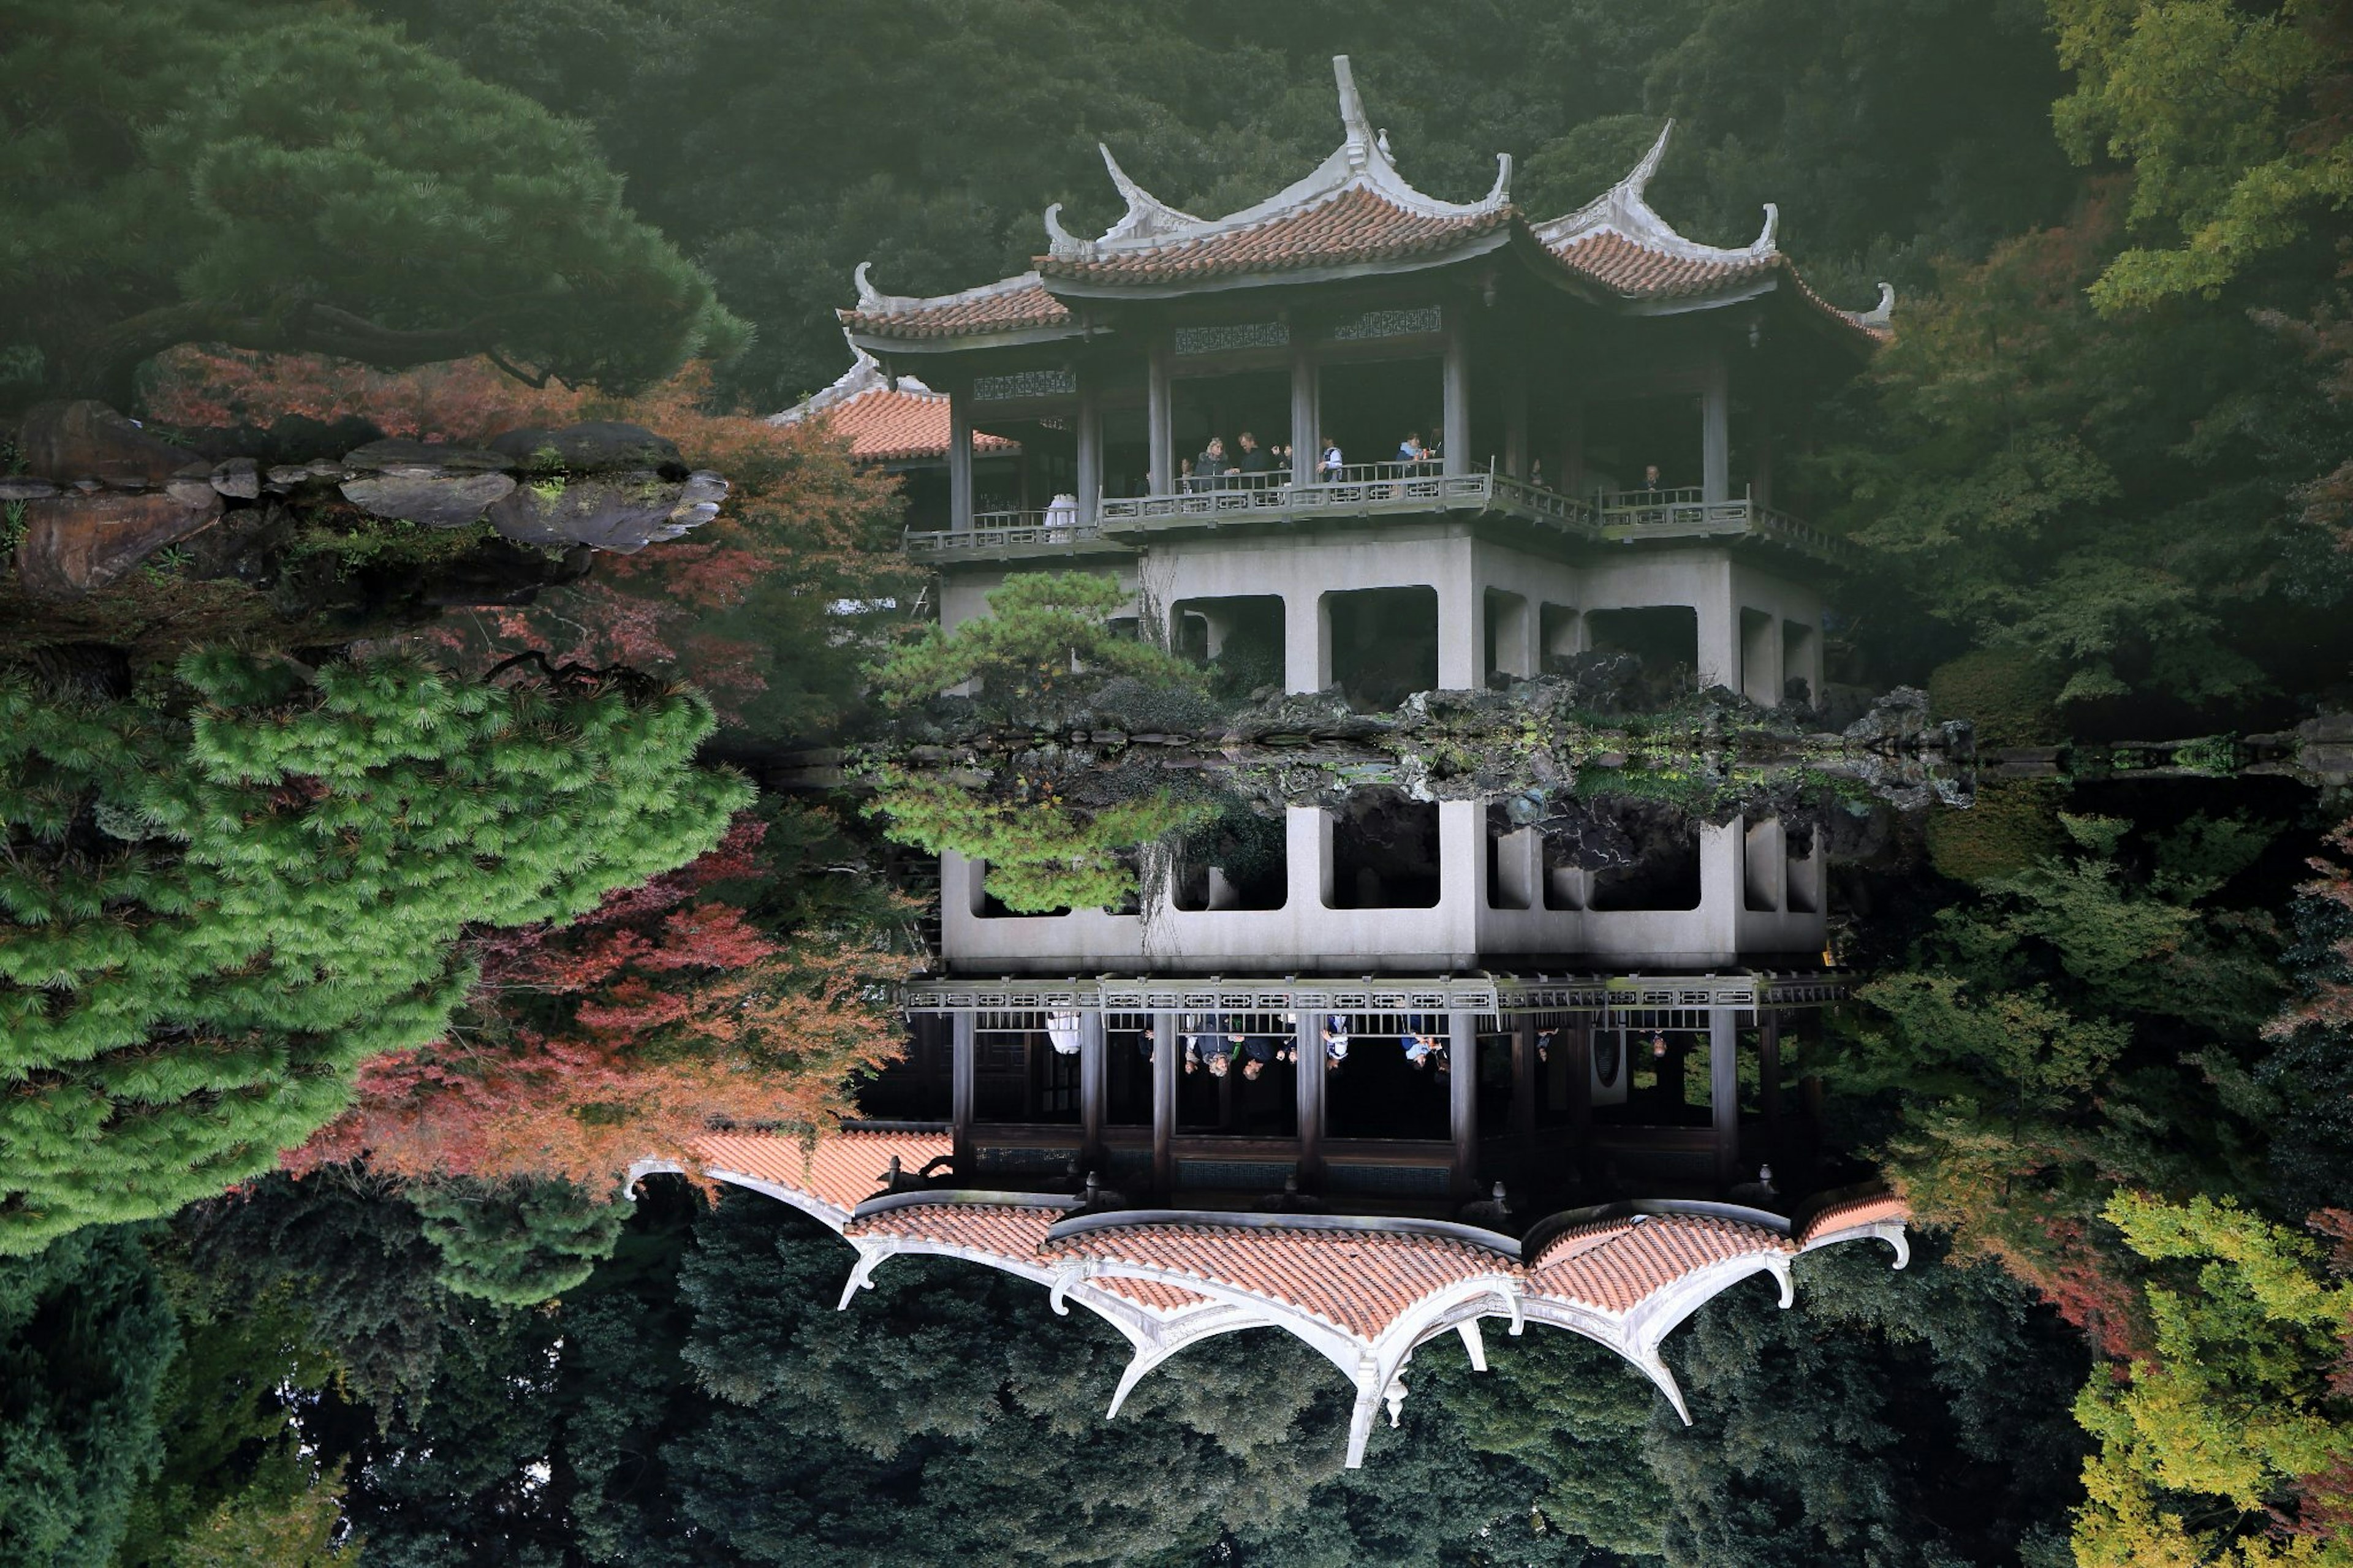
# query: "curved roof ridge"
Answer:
x=1361 y=162
x=872 y=301
x=1622 y=210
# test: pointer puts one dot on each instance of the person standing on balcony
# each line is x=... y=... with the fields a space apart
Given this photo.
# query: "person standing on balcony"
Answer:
x=1328 y=470
x=1650 y=476
x=1255 y=464
x=1210 y=465
x=1410 y=450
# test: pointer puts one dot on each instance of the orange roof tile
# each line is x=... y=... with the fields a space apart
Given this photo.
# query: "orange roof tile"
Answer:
x=1353 y=224
x=883 y=425
x=1615 y=1264
x=1008 y=1231
x=1638 y=271
x=1871 y=1208
x=991 y=309
x=842 y=1170
x=1359 y=1281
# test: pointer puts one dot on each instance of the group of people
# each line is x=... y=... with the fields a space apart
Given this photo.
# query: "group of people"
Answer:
x=1214 y=1046
x=1250 y=465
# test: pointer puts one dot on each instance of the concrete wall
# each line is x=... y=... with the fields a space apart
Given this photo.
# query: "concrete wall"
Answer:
x=1540 y=606
x=1306 y=936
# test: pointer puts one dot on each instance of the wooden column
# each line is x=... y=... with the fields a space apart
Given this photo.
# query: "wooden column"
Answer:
x=1306 y=414
x=1166 y=1050
x=960 y=455
x=963 y=1071
x=1462 y=1087
x=1160 y=413
x=1092 y=1063
x=1308 y=1033
x=1715 y=435
x=1091 y=452
x=1768 y=1077
x=1456 y=379
x=1523 y=1073
x=1723 y=1090
x=1761 y=485
x=1571 y=479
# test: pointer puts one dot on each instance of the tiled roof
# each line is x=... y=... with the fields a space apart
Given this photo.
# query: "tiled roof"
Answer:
x=1615 y=1264
x=884 y=426
x=1359 y=1281
x=1010 y=1231
x=1357 y=224
x=1871 y=1208
x=1638 y=271
x=842 y=1170
x=1008 y=306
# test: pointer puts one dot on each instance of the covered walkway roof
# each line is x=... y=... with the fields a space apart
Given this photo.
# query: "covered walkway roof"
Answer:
x=1365 y=1293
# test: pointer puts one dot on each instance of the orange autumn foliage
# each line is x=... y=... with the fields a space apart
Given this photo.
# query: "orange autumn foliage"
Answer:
x=732 y=607
x=662 y=1015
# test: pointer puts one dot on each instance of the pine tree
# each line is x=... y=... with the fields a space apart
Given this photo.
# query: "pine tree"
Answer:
x=227 y=891
x=521 y=1243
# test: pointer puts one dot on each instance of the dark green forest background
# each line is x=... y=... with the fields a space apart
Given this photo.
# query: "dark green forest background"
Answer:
x=2101 y=479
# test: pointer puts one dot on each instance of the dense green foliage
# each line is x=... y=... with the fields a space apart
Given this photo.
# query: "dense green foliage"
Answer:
x=228 y=891
x=86 y=1336
x=517 y=1244
x=282 y=176
x=1045 y=633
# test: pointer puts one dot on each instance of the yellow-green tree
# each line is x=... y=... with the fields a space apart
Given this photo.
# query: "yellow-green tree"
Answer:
x=2231 y=1444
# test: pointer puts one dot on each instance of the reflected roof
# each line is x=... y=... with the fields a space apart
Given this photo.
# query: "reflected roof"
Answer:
x=1365 y=1293
x=886 y=423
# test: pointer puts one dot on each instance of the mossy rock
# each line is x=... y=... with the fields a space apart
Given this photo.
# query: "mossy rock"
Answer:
x=2008 y=694
x=2013 y=824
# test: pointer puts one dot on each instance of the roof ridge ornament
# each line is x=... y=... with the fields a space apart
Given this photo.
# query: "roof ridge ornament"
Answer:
x=1625 y=211
x=1060 y=241
x=1361 y=142
x=1882 y=315
x=1147 y=214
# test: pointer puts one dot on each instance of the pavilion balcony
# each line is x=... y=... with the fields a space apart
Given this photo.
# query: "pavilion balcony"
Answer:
x=1502 y=996
x=1368 y=491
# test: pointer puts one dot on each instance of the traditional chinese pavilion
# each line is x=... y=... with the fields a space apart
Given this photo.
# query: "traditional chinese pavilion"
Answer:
x=1291 y=1084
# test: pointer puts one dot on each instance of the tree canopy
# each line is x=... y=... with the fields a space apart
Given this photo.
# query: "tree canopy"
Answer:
x=281 y=176
x=228 y=891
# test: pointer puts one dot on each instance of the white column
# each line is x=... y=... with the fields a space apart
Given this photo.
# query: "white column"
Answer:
x=1719 y=626
x=1462 y=1087
x=1308 y=1039
x=1715 y=435
x=1516 y=418
x=1160 y=411
x=1306 y=415
x=1461 y=615
x=963 y=1067
x=1306 y=641
x=1307 y=853
x=1723 y=1090
x=1091 y=455
x=1166 y=1050
x=1457 y=388
x=1093 y=1049
x=960 y=455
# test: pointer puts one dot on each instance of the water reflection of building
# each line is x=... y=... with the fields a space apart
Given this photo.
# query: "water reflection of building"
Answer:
x=1412 y=1001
